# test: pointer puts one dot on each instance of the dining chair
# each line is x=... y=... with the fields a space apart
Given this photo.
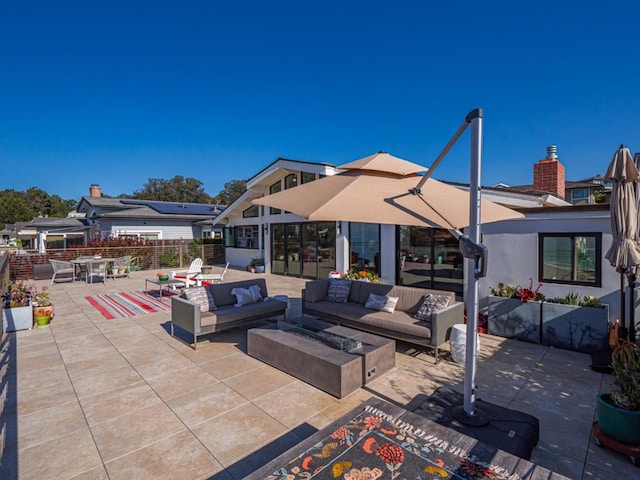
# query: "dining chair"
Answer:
x=121 y=267
x=60 y=266
x=97 y=268
x=82 y=264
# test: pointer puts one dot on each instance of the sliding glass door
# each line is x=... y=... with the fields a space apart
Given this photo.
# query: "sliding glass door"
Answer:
x=303 y=249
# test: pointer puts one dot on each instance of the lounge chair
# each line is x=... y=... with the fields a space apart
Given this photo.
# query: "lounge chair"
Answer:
x=212 y=278
x=61 y=267
x=189 y=275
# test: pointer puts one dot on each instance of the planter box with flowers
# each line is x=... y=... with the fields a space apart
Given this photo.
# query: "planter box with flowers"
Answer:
x=17 y=313
x=573 y=323
x=361 y=276
x=514 y=312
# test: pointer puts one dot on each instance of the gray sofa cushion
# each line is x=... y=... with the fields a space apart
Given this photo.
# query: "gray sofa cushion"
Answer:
x=397 y=321
x=229 y=313
x=222 y=292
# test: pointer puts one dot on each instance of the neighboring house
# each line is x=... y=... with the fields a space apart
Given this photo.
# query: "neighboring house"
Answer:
x=51 y=232
x=153 y=220
x=549 y=178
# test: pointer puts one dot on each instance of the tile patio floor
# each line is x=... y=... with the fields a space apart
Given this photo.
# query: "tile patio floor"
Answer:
x=89 y=398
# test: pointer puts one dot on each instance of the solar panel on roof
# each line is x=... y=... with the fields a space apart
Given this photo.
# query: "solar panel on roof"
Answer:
x=176 y=208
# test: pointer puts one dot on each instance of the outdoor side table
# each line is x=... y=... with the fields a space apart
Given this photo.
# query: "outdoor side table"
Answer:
x=458 y=342
x=162 y=283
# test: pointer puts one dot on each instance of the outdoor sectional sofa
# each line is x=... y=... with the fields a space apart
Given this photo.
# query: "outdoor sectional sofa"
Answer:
x=188 y=315
x=400 y=324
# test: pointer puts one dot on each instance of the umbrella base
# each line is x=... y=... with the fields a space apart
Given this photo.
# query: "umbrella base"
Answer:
x=509 y=430
x=601 y=361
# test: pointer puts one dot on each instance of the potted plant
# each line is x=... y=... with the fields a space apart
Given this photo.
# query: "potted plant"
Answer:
x=42 y=307
x=575 y=323
x=17 y=313
x=514 y=312
x=258 y=265
x=618 y=412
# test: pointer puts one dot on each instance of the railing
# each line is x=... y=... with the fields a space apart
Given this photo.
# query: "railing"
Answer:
x=148 y=257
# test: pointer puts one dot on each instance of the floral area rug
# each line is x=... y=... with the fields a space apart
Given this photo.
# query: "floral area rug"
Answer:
x=130 y=304
x=378 y=444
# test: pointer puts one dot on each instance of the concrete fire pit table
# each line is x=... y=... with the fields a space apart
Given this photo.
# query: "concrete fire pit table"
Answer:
x=336 y=359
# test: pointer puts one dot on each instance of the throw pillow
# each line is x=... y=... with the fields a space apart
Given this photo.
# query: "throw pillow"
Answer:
x=200 y=296
x=255 y=292
x=243 y=296
x=431 y=304
x=381 y=302
x=338 y=290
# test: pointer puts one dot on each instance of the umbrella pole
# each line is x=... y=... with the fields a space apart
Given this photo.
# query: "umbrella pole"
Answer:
x=632 y=308
x=468 y=414
x=622 y=332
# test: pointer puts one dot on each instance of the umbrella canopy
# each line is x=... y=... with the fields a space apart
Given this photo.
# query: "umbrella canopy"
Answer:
x=377 y=189
x=624 y=253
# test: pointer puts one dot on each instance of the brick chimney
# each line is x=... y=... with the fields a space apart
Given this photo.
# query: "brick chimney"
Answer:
x=548 y=174
x=95 y=190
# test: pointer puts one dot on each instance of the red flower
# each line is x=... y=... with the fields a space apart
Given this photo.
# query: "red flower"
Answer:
x=475 y=470
x=341 y=433
x=372 y=422
x=390 y=454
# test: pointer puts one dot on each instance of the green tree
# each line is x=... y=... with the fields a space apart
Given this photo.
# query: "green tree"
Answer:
x=231 y=191
x=14 y=208
x=178 y=189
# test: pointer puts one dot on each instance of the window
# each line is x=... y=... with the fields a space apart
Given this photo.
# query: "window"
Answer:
x=275 y=188
x=251 y=212
x=580 y=194
x=290 y=181
x=365 y=246
x=247 y=237
x=570 y=258
x=308 y=177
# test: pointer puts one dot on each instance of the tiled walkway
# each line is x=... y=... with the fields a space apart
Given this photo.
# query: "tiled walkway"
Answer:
x=89 y=398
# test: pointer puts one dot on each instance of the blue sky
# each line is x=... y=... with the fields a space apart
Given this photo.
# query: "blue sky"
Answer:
x=117 y=92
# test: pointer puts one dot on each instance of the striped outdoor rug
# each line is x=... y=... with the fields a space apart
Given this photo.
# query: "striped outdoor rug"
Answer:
x=130 y=304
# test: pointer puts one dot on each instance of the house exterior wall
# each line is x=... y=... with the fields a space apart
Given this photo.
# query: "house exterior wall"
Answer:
x=165 y=229
x=513 y=255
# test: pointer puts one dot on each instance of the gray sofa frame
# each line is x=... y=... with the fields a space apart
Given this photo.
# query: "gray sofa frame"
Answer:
x=399 y=325
x=187 y=315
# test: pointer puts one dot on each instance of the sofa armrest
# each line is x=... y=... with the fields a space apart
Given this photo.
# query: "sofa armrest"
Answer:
x=443 y=321
x=185 y=314
x=315 y=291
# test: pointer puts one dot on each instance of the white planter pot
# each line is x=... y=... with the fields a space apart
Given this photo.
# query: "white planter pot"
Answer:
x=17 y=318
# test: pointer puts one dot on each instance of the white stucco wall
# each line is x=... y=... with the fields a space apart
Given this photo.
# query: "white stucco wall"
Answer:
x=513 y=255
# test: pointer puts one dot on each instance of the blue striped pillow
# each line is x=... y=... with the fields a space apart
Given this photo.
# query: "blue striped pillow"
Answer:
x=338 y=290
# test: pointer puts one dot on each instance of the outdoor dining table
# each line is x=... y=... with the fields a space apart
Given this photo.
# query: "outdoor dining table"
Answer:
x=82 y=261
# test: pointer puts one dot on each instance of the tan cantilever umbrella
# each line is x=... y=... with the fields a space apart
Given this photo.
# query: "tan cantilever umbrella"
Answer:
x=377 y=189
x=624 y=253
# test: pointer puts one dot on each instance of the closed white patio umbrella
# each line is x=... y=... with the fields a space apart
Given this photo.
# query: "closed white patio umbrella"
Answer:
x=624 y=253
